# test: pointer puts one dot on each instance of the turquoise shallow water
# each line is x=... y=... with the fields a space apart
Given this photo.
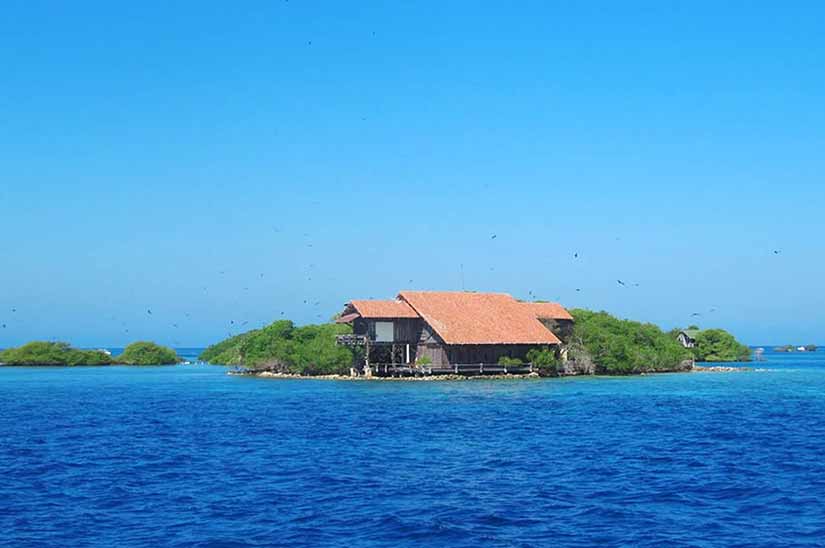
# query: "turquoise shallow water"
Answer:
x=188 y=456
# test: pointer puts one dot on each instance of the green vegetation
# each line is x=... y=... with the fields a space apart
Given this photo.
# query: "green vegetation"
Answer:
x=308 y=350
x=60 y=353
x=52 y=353
x=423 y=360
x=147 y=353
x=507 y=360
x=228 y=351
x=623 y=347
x=545 y=360
x=810 y=348
x=717 y=345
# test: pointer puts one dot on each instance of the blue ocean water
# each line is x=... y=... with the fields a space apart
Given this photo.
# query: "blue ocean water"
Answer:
x=188 y=456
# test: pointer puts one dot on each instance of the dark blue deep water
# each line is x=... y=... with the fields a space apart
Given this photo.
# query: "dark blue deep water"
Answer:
x=188 y=456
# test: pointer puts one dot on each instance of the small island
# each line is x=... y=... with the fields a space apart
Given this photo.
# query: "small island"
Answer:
x=53 y=353
x=792 y=348
x=368 y=340
x=63 y=354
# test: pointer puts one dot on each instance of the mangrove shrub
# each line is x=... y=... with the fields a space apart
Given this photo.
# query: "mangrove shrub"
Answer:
x=307 y=350
x=717 y=345
x=147 y=353
x=52 y=353
x=623 y=347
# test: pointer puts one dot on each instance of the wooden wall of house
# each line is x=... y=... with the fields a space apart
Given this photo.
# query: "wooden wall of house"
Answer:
x=405 y=330
x=361 y=327
x=487 y=353
x=563 y=329
x=431 y=346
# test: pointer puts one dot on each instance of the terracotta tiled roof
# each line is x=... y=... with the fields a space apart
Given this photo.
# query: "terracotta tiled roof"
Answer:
x=548 y=311
x=347 y=318
x=459 y=317
x=383 y=309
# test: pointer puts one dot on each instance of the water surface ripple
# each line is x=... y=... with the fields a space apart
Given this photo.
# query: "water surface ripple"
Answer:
x=188 y=456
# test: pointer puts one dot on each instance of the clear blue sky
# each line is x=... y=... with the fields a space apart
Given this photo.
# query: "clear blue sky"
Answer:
x=218 y=162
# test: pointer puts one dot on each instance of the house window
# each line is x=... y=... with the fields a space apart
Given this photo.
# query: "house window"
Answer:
x=384 y=332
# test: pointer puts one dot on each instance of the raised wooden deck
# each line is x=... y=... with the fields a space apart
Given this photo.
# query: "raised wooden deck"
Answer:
x=470 y=369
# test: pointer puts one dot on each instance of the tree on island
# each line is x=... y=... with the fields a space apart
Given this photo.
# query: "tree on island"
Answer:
x=52 y=353
x=306 y=350
x=623 y=347
x=717 y=345
x=147 y=353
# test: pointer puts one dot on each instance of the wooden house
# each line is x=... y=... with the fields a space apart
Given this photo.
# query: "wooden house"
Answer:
x=687 y=337
x=444 y=329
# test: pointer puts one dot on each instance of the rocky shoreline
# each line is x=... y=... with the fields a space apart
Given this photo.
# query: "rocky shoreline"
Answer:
x=720 y=369
x=436 y=378
x=430 y=378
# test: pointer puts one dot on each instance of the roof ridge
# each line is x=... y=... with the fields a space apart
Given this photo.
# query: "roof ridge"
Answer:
x=461 y=317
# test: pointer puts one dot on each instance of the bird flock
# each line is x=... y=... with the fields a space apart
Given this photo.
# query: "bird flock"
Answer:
x=243 y=323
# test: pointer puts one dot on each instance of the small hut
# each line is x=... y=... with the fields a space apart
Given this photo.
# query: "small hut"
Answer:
x=687 y=337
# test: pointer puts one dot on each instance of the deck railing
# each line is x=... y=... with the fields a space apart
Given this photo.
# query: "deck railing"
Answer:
x=351 y=340
x=467 y=369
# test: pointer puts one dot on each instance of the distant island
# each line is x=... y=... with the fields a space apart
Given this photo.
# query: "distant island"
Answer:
x=61 y=353
x=596 y=343
x=792 y=348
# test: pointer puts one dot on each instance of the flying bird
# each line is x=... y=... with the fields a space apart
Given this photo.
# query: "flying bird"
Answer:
x=14 y=310
x=149 y=311
x=576 y=255
x=776 y=252
x=493 y=237
x=621 y=283
x=578 y=289
x=695 y=314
